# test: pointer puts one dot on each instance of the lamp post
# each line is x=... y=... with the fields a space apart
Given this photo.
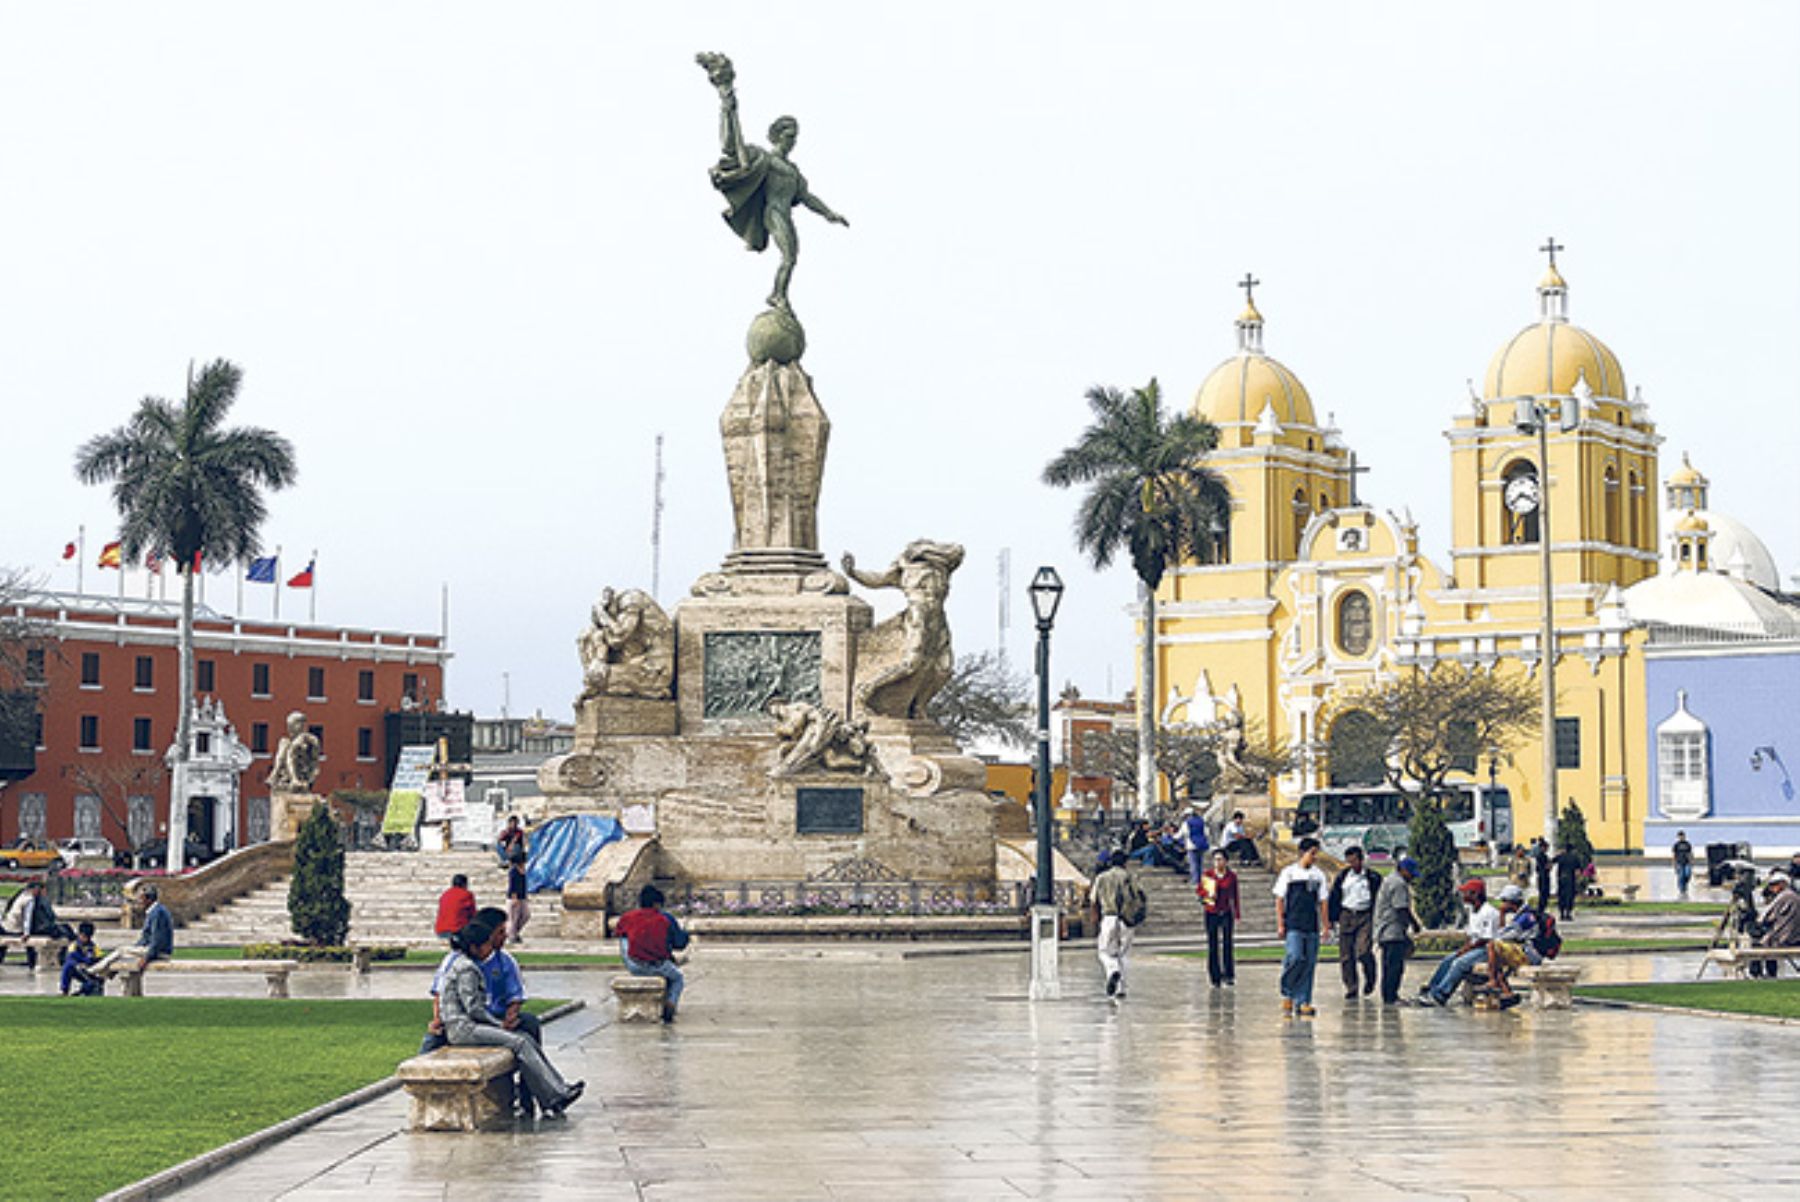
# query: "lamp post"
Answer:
x=1534 y=417
x=1046 y=594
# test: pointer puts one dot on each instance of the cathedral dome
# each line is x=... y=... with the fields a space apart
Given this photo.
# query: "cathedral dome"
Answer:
x=1241 y=388
x=1550 y=356
x=1732 y=547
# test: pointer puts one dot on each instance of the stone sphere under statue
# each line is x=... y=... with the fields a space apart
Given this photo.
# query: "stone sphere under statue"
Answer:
x=775 y=337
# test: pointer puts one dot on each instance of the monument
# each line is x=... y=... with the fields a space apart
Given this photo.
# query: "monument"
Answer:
x=771 y=727
x=291 y=779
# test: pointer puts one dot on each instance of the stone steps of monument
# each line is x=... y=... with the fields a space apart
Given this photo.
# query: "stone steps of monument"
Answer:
x=1174 y=908
x=393 y=899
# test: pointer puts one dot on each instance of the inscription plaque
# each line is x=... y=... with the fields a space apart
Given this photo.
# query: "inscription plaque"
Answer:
x=745 y=668
x=828 y=811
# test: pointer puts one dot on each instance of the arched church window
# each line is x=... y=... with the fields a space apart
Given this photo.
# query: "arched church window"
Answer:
x=1611 y=503
x=1520 y=500
x=1634 y=504
x=1302 y=512
x=1355 y=623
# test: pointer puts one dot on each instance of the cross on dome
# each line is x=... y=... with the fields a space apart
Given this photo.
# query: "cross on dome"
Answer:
x=1249 y=322
x=1248 y=283
x=1550 y=247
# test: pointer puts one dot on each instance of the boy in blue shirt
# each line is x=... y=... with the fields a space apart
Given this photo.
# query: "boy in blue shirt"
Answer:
x=81 y=956
x=505 y=996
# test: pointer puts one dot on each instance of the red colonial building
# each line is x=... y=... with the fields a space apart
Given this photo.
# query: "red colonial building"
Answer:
x=105 y=676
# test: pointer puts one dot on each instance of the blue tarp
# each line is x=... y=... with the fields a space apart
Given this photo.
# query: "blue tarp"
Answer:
x=563 y=848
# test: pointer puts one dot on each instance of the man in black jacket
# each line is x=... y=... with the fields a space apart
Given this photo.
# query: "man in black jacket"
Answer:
x=1351 y=907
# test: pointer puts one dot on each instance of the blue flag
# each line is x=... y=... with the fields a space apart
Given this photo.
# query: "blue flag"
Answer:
x=262 y=571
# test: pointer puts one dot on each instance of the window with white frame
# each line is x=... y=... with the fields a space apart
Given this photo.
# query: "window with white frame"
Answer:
x=1683 y=764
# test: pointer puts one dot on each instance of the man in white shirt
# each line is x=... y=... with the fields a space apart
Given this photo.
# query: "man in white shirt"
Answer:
x=1352 y=909
x=1301 y=921
x=1484 y=928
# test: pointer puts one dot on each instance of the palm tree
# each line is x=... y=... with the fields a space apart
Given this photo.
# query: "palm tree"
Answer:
x=1149 y=496
x=188 y=490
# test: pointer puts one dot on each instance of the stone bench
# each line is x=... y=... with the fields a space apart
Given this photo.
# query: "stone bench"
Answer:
x=41 y=944
x=1551 y=984
x=640 y=998
x=458 y=1088
x=1735 y=962
x=275 y=972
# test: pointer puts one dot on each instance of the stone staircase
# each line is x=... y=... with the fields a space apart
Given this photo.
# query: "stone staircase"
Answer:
x=1175 y=911
x=393 y=899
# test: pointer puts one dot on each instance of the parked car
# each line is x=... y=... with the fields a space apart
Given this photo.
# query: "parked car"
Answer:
x=25 y=854
x=76 y=850
x=154 y=853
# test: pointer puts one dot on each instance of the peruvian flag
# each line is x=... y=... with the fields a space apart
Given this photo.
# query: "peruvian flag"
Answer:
x=305 y=578
x=68 y=550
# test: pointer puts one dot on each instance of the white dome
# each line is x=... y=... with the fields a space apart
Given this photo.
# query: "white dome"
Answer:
x=1689 y=598
x=1731 y=541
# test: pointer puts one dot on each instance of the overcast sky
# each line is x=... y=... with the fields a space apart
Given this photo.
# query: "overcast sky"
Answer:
x=471 y=264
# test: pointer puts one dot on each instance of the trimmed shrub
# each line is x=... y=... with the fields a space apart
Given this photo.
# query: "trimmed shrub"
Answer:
x=317 y=907
x=1571 y=832
x=1430 y=842
x=308 y=953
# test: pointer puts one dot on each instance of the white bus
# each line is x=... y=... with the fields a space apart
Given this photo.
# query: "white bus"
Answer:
x=1376 y=818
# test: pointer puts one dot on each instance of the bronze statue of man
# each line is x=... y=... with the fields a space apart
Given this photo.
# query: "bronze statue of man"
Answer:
x=761 y=187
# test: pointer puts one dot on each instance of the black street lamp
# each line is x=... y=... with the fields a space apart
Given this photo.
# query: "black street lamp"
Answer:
x=1046 y=594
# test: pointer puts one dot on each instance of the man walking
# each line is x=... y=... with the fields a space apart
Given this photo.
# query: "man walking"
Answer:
x=1540 y=859
x=1682 y=852
x=1568 y=873
x=1351 y=907
x=1118 y=906
x=1300 y=919
x=1394 y=925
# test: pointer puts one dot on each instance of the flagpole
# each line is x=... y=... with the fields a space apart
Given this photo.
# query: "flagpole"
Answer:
x=312 y=589
x=80 y=557
x=239 y=570
x=276 y=583
x=121 y=572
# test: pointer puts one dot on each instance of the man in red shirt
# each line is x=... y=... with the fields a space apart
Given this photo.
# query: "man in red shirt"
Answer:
x=648 y=938
x=456 y=908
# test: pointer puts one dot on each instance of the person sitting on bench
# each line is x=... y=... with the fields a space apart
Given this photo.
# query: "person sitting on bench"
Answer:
x=82 y=956
x=1780 y=923
x=649 y=937
x=463 y=1009
x=506 y=999
x=155 y=942
x=1484 y=927
x=1514 y=947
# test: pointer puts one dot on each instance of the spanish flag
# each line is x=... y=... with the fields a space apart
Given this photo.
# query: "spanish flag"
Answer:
x=110 y=556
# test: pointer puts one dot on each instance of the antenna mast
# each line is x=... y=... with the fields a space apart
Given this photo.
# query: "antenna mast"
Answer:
x=656 y=512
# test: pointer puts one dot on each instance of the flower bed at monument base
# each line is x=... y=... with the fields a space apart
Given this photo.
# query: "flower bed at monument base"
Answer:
x=865 y=925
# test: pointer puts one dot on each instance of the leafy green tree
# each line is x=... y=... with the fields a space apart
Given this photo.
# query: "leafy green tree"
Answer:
x=984 y=699
x=1571 y=832
x=317 y=907
x=188 y=490
x=1148 y=496
x=1430 y=843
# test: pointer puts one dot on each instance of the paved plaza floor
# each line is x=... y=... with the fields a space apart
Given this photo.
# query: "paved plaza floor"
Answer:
x=872 y=1076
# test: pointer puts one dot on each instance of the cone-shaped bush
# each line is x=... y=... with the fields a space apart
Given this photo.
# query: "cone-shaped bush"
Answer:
x=1430 y=842
x=317 y=907
x=1571 y=832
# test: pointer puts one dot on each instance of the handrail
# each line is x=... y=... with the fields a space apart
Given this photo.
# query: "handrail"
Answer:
x=196 y=893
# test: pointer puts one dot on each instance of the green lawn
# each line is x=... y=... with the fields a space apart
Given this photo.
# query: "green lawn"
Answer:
x=1328 y=953
x=99 y=1092
x=430 y=955
x=1779 y=999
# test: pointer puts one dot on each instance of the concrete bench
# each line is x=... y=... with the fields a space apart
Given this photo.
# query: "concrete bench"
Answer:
x=458 y=1088
x=41 y=944
x=640 y=998
x=1734 y=962
x=1551 y=984
x=275 y=972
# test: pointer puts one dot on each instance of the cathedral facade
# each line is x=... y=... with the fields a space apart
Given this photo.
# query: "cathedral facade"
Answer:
x=1309 y=594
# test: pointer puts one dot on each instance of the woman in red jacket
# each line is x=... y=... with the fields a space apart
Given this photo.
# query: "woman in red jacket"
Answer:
x=1219 y=897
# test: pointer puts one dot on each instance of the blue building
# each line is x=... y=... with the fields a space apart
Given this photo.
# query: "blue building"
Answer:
x=1722 y=686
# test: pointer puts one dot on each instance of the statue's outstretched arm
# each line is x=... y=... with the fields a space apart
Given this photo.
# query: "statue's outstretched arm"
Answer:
x=822 y=209
x=887 y=579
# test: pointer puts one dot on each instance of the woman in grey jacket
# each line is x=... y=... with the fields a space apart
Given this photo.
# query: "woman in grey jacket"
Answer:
x=462 y=1005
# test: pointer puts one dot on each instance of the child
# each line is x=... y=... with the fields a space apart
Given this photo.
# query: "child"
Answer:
x=80 y=956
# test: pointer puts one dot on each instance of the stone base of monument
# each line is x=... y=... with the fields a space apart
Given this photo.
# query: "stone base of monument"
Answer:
x=287 y=811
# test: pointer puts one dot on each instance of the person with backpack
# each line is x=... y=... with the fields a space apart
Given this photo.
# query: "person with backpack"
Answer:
x=1119 y=908
x=1301 y=920
x=649 y=938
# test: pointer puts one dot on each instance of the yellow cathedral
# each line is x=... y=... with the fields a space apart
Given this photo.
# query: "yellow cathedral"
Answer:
x=1310 y=593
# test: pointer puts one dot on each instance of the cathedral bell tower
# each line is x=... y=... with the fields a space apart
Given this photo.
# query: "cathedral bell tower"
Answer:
x=1602 y=461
